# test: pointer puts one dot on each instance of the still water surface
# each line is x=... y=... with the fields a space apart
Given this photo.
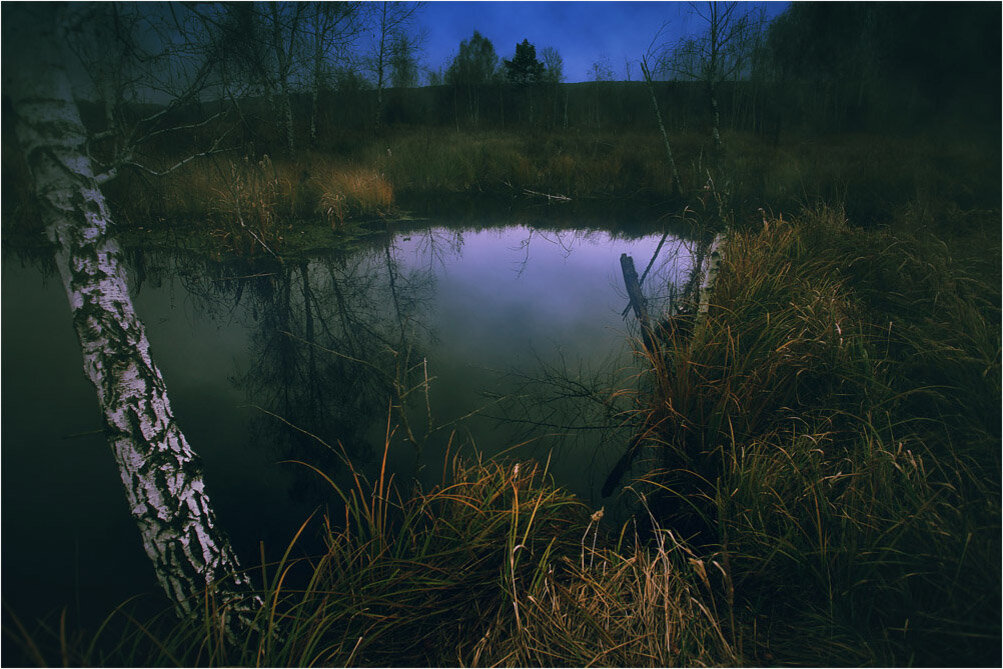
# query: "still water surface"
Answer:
x=487 y=338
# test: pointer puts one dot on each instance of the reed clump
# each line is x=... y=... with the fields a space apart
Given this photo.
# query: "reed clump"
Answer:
x=832 y=430
x=244 y=208
x=573 y=164
x=250 y=205
x=347 y=193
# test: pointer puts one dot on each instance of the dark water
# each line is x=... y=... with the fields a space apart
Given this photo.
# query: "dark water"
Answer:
x=518 y=332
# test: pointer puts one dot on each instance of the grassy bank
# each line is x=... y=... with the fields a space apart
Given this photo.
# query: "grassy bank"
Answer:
x=250 y=201
x=832 y=433
x=361 y=176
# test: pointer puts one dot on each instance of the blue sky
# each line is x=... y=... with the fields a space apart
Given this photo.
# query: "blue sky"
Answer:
x=582 y=32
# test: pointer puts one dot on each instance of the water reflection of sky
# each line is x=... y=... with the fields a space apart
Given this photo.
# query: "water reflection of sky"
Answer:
x=498 y=300
x=512 y=289
x=509 y=301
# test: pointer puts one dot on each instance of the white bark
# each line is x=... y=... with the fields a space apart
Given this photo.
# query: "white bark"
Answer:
x=315 y=80
x=712 y=264
x=676 y=186
x=160 y=472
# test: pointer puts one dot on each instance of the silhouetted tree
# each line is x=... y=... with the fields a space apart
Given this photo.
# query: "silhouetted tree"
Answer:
x=474 y=67
x=553 y=75
x=112 y=44
x=331 y=28
x=391 y=21
x=475 y=64
x=553 y=65
x=284 y=23
x=601 y=71
x=524 y=68
x=404 y=60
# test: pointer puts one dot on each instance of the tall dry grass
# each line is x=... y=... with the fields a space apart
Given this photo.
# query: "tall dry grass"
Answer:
x=249 y=205
x=495 y=566
x=833 y=429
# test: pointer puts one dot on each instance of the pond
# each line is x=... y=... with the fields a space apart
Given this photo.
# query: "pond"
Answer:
x=478 y=340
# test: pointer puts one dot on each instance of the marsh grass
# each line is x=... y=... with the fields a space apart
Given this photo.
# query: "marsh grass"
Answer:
x=495 y=565
x=877 y=179
x=249 y=205
x=881 y=179
x=350 y=193
x=833 y=429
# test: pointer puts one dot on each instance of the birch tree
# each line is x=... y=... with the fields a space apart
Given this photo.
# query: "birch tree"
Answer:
x=718 y=55
x=256 y=47
x=601 y=71
x=331 y=27
x=161 y=473
x=126 y=55
x=103 y=38
x=649 y=82
x=553 y=75
x=472 y=70
x=285 y=25
x=391 y=21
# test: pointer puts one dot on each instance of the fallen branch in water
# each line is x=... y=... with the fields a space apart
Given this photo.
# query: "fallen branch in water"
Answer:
x=637 y=301
x=559 y=198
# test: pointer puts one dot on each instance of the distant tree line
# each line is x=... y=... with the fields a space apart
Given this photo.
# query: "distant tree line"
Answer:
x=294 y=74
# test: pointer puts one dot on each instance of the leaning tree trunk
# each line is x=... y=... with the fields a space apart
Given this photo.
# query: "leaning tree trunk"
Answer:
x=282 y=58
x=715 y=119
x=162 y=475
x=676 y=186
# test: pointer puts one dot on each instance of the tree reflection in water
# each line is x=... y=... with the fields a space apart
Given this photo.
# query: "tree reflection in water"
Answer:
x=507 y=334
x=336 y=342
x=343 y=344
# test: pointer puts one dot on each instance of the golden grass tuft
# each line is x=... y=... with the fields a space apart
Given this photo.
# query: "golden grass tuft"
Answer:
x=496 y=566
x=352 y=192
x=245 y=207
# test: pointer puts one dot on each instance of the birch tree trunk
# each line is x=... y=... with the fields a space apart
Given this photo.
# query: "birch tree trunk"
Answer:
x=161 y=474
x=315 y=83
x=708 y=275
x=715 y=119
x=283 y=56
x=676 y=186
